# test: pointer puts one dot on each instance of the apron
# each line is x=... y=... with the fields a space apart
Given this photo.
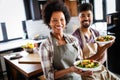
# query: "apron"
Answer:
x=64 y=57
x=102 y=74
x=89 y=49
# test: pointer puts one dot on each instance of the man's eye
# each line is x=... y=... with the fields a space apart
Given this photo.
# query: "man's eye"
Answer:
x=54 y=20
x=89 y=15
x=82 y=16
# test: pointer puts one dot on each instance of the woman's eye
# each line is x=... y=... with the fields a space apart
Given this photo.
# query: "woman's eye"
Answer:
x=54 y=20
x=62 y=20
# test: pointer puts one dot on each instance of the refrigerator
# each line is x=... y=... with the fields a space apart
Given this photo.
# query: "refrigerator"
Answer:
x=113 y=28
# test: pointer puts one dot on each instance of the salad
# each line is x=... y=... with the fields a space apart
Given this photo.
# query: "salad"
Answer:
x=87 y=64
x=104 y=38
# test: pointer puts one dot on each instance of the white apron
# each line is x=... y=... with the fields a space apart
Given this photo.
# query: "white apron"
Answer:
x=89 y=49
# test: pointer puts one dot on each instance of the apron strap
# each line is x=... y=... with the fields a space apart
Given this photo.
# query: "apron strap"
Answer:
x=87 y=50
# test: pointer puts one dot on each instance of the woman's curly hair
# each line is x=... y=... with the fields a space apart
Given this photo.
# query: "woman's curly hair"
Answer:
x=53 y=6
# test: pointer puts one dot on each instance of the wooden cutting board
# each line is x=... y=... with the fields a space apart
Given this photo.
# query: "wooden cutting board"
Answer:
x=30 y=59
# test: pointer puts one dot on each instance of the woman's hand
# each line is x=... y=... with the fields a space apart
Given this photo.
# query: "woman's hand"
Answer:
x=79 y=71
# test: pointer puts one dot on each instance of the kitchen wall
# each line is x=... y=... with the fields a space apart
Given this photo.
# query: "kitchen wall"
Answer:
x=1 y=34
x=13 y=17
x=38 y=27
x=12 y=13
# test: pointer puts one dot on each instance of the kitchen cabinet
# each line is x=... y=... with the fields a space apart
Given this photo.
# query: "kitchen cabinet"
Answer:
x=117 y=5
x=113 y=28
x=33 y=9
x=73 y=7
x=1 y=72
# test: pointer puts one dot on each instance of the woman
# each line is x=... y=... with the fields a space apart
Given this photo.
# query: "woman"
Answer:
x=59 y=51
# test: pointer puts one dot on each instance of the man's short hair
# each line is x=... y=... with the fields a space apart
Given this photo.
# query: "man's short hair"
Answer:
x=85 y=7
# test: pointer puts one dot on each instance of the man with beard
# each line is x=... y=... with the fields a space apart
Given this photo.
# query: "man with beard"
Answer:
x=86 y=35
x=91 y=50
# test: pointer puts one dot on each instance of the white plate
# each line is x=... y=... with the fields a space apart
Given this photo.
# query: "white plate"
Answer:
x=86 y=69
x=105 y=42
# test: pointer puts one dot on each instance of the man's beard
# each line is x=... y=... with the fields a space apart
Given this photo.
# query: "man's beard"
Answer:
x=85 y=24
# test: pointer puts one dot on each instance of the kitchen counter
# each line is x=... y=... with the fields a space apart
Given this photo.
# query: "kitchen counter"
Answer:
x=5 y=46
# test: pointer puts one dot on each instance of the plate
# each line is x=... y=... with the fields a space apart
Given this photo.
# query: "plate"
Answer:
x=86 y=65
x=105 y=39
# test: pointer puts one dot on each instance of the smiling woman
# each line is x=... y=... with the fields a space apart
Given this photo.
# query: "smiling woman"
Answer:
x=59 y=50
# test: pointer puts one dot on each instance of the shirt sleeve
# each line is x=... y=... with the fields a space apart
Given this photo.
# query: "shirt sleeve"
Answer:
x=46 y=61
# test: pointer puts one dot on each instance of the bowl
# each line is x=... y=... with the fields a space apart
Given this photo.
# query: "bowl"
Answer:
x=87 y=65
x=29 y=50
x=105 y=39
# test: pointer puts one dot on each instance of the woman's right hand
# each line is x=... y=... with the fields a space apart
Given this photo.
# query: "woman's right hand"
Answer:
x=81 y=72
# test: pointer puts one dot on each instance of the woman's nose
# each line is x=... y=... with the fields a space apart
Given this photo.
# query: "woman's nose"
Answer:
x=59 y=22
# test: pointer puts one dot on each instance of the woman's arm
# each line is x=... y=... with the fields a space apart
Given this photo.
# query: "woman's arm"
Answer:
x=46 y=55
x=72 y=69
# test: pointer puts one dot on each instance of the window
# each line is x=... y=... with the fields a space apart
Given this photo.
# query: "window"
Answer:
x=11 y=10
x=99 y=7
x=111 y=9
x=1 y=34
x=12 y=14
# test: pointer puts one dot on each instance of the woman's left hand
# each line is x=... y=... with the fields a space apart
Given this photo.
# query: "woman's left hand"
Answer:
x=81 y=72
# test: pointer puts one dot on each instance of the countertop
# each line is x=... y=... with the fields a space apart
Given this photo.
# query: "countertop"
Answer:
x=4 y=46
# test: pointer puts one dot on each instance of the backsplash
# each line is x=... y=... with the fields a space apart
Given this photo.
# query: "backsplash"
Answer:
x=38 y=27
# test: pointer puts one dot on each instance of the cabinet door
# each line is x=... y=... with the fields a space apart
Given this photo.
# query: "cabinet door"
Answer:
x=33 y=9
x=27 y=9
x=72 y=5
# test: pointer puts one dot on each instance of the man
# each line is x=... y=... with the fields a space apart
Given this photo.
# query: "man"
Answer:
x=86 y=35
x=91 y=50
